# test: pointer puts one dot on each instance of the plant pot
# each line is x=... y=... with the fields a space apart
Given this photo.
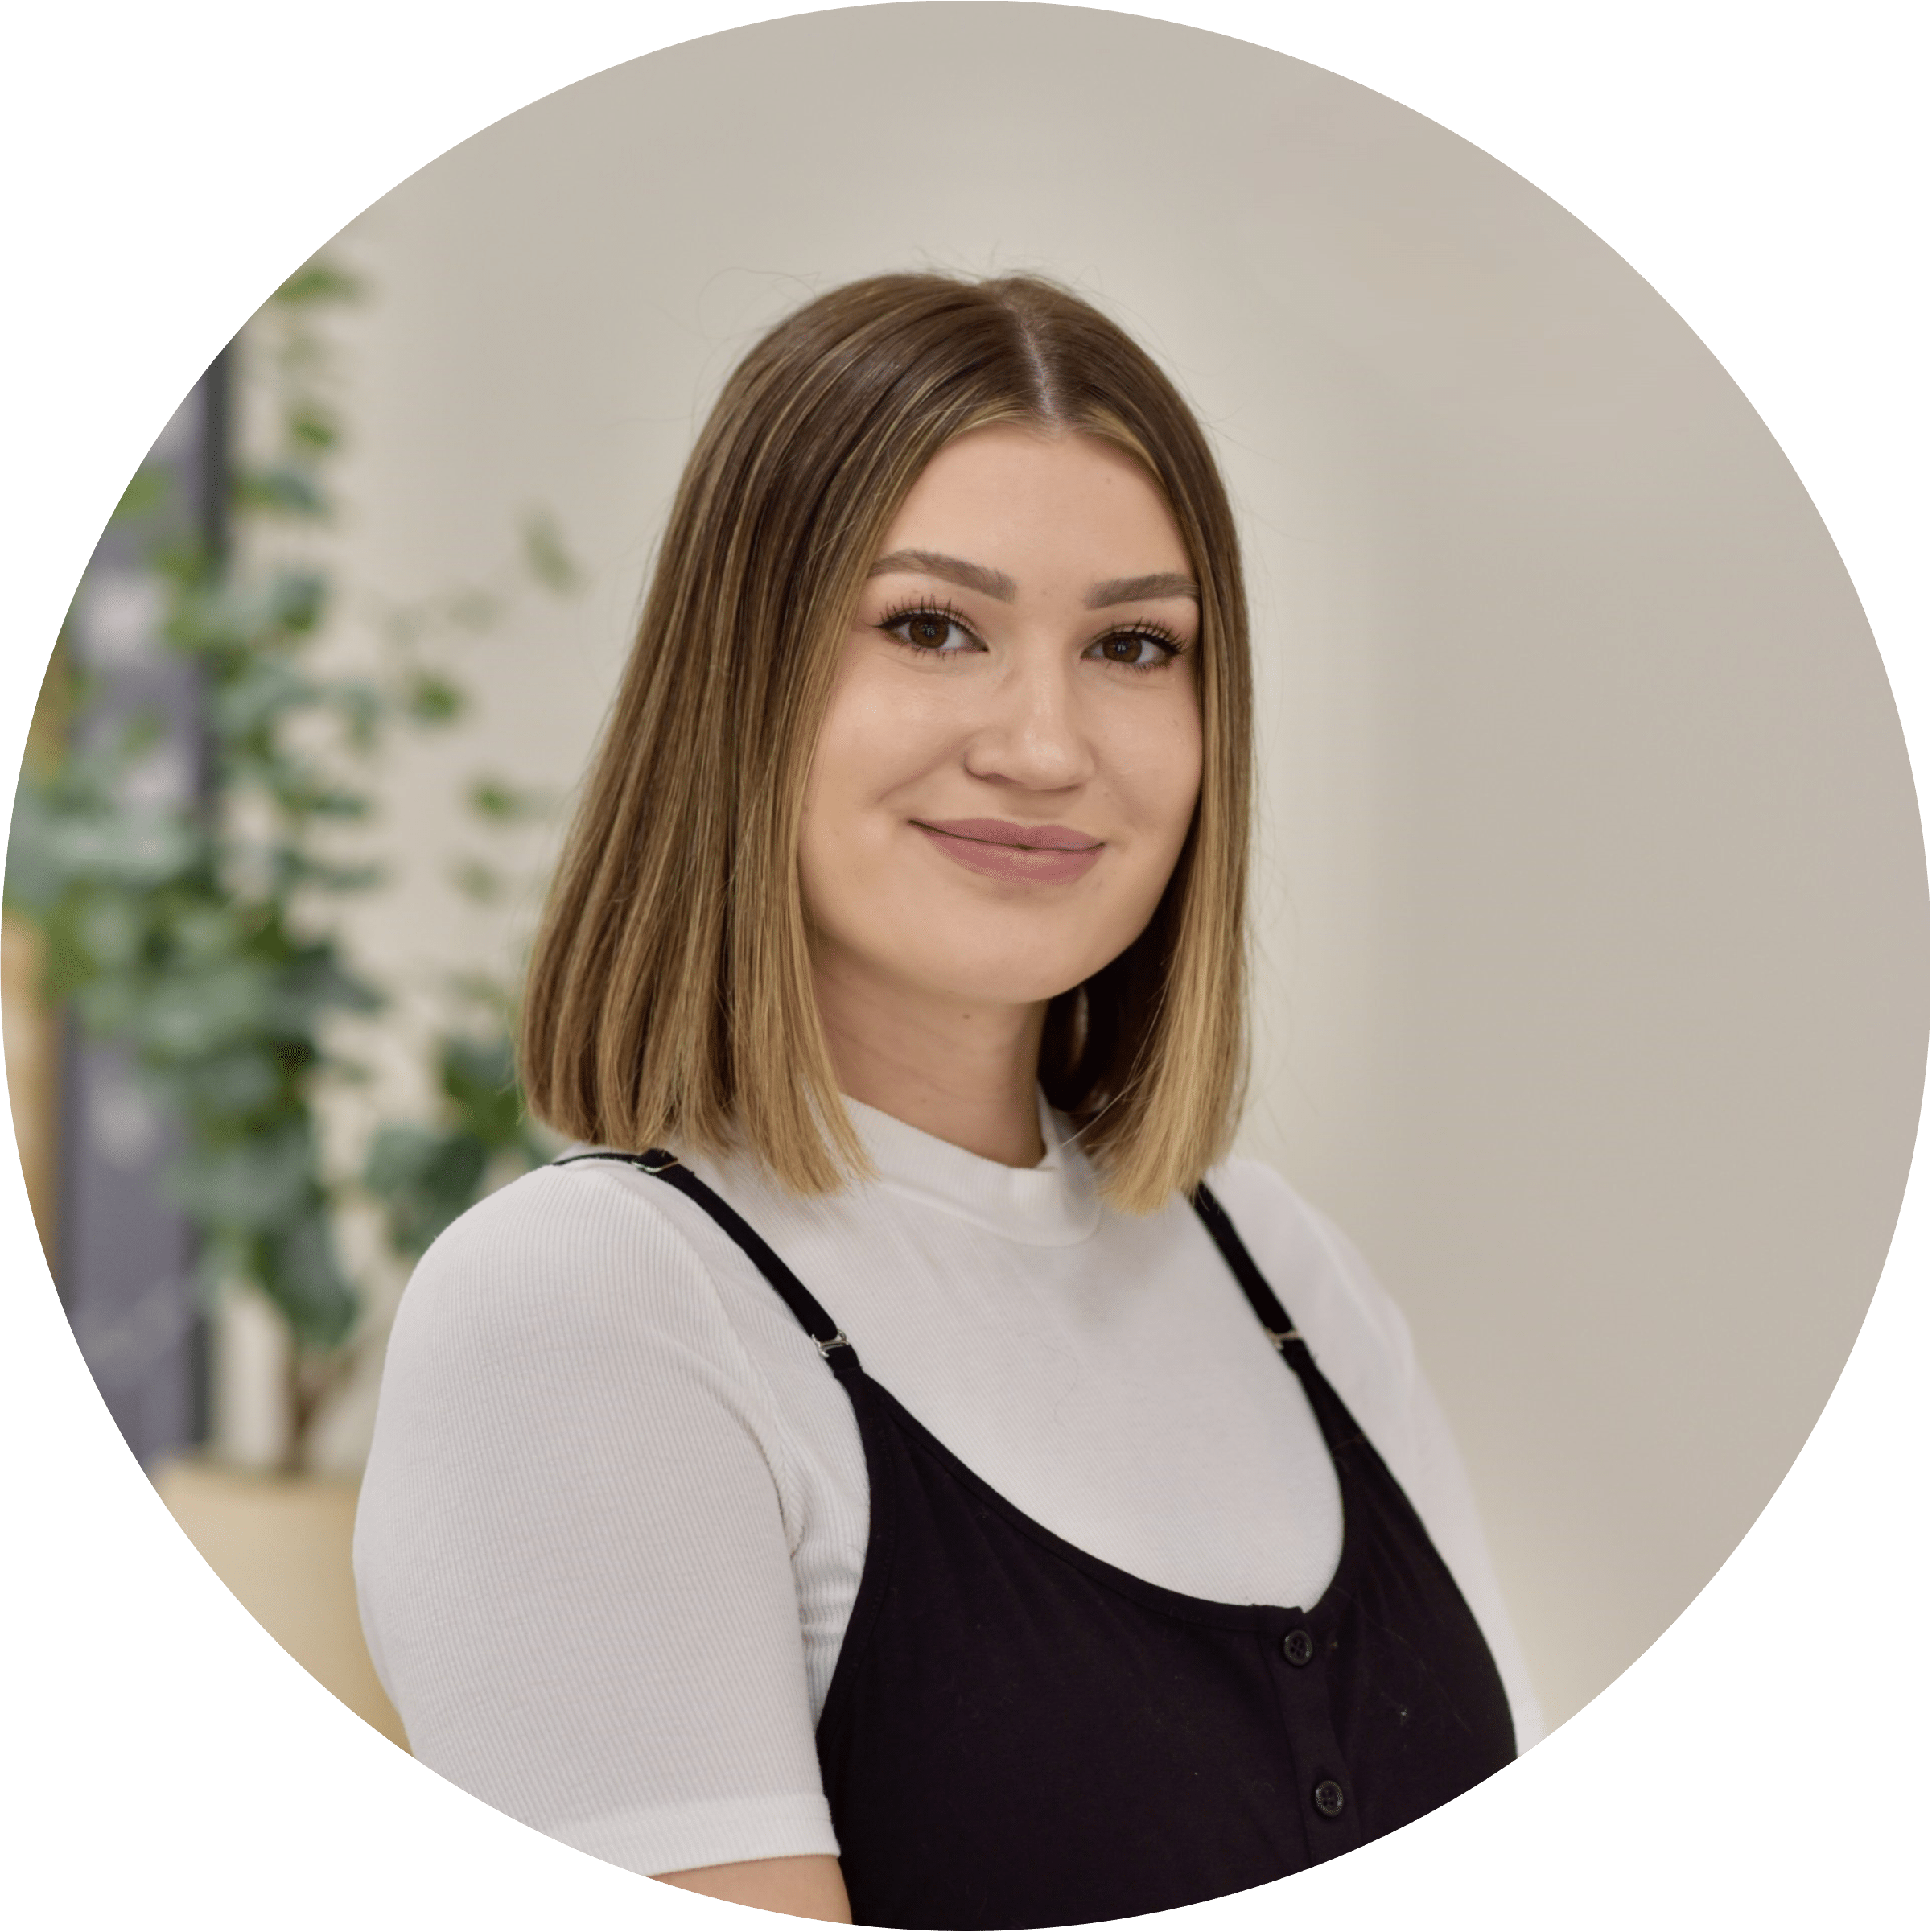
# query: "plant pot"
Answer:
x=281 y=1543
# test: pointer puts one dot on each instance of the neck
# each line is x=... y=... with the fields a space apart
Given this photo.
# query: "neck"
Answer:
x=963 y=1072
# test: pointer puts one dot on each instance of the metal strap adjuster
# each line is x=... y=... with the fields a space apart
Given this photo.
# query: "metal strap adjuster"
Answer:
x=1281 y=1337
x=836 y=1340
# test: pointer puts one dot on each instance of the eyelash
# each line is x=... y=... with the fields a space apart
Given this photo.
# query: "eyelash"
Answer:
x=1161 y=635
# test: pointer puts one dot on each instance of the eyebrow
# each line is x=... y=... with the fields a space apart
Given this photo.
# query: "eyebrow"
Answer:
x=997 y=584
x=955 y=569
x=1132 y=590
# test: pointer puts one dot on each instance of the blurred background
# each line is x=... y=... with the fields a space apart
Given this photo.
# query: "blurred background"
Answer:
x=229 y=1175
x=1592 y=918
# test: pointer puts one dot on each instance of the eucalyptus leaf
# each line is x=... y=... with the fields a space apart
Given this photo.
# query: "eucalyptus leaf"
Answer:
x=425 y=1180
x=278 y=486
x=502 y=803
x=303 y=1278
x=312 y=984
x=192 y=1015
x=317 y=281
x=544 y=552
x=431 y=698
x=148 y=490
x=258 y=697
x=236 y=1084
x=477 y=881
x=250 y=1185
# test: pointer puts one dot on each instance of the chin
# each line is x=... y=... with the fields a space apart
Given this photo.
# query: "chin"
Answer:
x=985 y=975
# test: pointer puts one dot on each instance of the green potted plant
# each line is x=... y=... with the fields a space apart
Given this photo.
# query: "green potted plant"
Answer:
x=196 y=935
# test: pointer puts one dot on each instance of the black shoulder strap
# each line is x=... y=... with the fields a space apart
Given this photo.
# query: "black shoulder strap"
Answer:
x=1274 y=1319
x=826 y=1332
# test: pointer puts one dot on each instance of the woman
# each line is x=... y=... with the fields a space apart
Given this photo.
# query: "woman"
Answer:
x=892 y=981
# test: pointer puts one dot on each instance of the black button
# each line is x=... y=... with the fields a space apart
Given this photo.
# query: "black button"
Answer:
x=1328 y=1800
x=1298 y=1647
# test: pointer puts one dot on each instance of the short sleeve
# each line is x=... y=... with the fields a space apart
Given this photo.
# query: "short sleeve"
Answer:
x=571 y=1552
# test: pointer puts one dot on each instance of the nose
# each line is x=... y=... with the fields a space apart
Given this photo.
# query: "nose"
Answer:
x=1032 y=733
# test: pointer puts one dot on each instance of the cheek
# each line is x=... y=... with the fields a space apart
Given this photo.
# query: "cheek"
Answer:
x=871 y=743
x=883 y=729
x=1161 y=769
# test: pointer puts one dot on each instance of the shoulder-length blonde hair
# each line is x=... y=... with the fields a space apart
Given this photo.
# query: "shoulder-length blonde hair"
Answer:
x=670 y=997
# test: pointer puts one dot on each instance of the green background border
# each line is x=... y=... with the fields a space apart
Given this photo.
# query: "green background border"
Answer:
x=170 y=163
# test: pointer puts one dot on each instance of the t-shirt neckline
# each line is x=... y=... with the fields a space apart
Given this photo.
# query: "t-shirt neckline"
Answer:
x=1053 y=1203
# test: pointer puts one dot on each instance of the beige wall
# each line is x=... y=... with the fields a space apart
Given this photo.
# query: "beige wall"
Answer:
x=1592 y=902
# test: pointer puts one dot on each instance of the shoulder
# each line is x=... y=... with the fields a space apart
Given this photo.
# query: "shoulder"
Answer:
x=1353 y=1325
x=590 y=1252
x=573 y=1313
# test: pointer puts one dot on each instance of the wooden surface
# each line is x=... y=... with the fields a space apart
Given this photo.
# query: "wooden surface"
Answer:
x=33 y=1067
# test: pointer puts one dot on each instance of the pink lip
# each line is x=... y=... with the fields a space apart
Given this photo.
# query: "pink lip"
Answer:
x=1048 y=853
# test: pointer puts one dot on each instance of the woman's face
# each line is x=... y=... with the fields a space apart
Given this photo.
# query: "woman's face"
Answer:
x=1010 y=761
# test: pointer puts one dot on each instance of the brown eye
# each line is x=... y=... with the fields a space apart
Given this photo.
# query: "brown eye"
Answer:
x=1138 y=650
x=930 y=631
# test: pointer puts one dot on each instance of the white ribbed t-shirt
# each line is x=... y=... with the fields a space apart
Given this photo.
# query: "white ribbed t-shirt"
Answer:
x=614 y=1512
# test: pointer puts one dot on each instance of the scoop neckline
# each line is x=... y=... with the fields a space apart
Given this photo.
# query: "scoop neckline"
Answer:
x=1317 y=1616
x=875 y=1407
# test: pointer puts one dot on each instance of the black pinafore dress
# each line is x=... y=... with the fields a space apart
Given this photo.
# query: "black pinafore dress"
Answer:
x=1018 y=1734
